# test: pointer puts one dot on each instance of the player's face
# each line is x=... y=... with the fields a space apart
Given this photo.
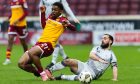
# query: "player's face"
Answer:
x=56 y=11
x=105 y=41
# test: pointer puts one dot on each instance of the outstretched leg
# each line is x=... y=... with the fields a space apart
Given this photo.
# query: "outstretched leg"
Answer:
x=67 y=77
x=72 y=63
x=25 y=63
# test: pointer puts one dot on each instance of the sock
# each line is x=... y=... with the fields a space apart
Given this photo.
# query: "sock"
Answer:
x=68 y=77
x=62 y=52
x=8 y=54
x=55 y=54
x=40 y=70
x=57 y=66
x=37 y=74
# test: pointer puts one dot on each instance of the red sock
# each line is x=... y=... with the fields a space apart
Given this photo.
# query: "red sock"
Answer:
x=8 y=53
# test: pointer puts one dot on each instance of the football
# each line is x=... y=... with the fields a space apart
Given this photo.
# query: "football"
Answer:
x=85 y=77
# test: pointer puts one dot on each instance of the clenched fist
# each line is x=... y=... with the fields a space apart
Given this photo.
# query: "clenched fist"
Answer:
x=42 y=8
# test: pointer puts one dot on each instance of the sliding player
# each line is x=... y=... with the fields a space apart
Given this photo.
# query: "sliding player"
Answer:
x=99 y=60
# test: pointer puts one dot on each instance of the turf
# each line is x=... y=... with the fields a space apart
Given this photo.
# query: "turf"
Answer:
x=128 y=66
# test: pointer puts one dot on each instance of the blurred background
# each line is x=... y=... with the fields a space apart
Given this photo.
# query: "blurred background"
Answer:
x=119 y=18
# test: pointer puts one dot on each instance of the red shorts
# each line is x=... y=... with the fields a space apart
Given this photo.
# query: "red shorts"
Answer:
x=46 y=48
x=21 y=31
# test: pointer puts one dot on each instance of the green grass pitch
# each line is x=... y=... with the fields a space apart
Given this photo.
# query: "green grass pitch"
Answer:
x=128 y=66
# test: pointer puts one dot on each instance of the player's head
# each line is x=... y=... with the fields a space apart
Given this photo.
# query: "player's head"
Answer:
x=57 y=9
x=107 y=41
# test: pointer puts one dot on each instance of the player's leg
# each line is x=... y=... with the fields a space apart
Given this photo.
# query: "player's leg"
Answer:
x=24 y=44
x=67 y=77
x=37 y=52
x=11 y=36
x=9 y=49
x=76 y=67
x=62 y=52
x=54 y=56
x=72 y=63
x=34 y=54
x=81 y=67
x=22 y=32
x=25 y=63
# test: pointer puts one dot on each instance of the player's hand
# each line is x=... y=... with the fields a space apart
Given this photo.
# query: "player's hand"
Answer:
x=65 y=23
x=103 y=61
x=42 y=8
x=76 y=21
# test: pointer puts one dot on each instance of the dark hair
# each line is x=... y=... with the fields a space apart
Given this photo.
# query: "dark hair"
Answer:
x=59 y=5
x=110 y=37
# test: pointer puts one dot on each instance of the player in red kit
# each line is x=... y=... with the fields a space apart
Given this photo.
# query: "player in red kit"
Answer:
x=53 y=27
x=17 y=26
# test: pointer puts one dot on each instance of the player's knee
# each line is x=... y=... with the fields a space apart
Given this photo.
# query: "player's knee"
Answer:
x=61 y=47
x=66 y=62
x=20 y=64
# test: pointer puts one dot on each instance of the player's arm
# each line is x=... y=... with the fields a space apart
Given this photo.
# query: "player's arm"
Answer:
x=9 y=16
x=71 y=27
x=68 y=25
x=114 y=67
x=96 y=58
x=115 y=73
x=24 y=15
x=69 y=11
x=43 y=18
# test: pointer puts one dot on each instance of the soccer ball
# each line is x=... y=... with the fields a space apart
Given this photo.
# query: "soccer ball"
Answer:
x=85 y=77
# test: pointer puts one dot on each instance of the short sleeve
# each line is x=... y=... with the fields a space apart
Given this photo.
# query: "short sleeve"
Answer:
x=113 y=60
x=94 y=50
